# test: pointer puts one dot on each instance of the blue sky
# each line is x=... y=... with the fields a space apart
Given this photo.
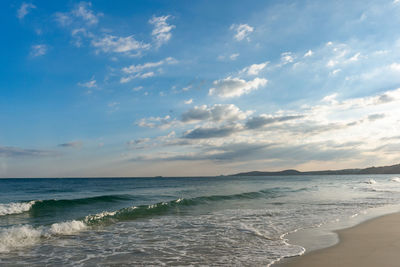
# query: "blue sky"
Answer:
x=144 y=88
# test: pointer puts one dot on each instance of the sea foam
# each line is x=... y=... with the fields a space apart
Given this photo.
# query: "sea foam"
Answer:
x=26 y=235
x=15 y=207
x=67 y=228
x=370 y=181
x=18 y=236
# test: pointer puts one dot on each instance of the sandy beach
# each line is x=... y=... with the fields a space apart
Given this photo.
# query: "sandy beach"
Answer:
x=373 y=243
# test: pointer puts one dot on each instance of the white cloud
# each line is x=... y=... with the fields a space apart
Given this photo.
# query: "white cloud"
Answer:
x=148 y=65
x=83 y=11
x=242 y=31
x=162 y=30
x=141 y=67
x=89 y=84
x=395 y=66
x=78 y=35
x=234 y=56
x=24 y=9
x=188 y=102
x=356 y=57
x=309 y=53
x=38 y=50
x=187 y=88
x=159 y=122
x=255 y=68
x=146 y=75
x=64 y=19
x=336 y=71
x=287 y=57
x=111 y=43
x=215 y=113
x=233 y=87
x=138 y=75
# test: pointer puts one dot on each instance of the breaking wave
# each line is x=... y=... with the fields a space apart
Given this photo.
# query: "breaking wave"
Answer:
x=15 y=208
x=26 y=235
x=50 y=204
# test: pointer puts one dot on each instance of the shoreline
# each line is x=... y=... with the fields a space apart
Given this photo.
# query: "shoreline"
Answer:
x=375 y=242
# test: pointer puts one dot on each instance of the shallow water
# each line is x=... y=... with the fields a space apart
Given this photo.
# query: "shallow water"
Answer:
x=175 y=221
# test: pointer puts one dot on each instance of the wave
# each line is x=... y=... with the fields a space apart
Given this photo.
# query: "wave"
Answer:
x=15 y=208
x=26 y=235
x=37 y=206
x=175 y=206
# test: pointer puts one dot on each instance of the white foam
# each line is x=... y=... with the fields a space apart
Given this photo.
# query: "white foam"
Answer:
x=370 y=181
x=18 y=236
x=100 y=215
x=15 y=207
x=67 y=228
x=25 y=235
x=395 y=179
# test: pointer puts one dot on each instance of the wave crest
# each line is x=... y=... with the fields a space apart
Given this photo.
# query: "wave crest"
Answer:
x=15 y=208
x=18 y=236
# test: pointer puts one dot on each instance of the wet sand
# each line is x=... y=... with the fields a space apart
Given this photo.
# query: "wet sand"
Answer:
x=373 y=243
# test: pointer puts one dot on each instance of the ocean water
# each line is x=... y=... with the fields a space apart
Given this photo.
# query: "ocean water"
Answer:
x=217 y=221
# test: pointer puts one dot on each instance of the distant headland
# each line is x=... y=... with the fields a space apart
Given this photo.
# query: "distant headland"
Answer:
x=393 y=169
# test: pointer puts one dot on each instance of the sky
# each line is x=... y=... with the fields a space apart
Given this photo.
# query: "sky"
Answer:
x=191 y=88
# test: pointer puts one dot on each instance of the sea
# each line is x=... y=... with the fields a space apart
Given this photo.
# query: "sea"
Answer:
x=185 y=221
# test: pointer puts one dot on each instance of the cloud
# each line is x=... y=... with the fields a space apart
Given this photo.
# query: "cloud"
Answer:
x=205 y=133
x=79 y=34
x=266 y=152
x=148 y=65
x=38 y=50
x=64 y=19
x=162 y=30
x=82 y=12
x=72 y=144
x=242 y=31
x=141 y=67
x=24 y=9
x=374 y=117
x=7 y=151
x=234 y=87
x=309 y=53
x=188 y=102
x=89 y=84
x=234 y=56
x=215 y=113
x=287 y=57
x=263 y=119
x=116 y=44
x=157 y=122
x=254 y=69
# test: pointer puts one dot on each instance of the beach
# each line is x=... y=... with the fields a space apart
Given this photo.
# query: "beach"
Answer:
x=373 y=243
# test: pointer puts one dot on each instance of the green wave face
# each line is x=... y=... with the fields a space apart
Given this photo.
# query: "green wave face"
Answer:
x=174 y=206
x=45 y=207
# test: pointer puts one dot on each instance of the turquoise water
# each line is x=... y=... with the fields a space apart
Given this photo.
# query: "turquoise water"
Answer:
x=175 y=221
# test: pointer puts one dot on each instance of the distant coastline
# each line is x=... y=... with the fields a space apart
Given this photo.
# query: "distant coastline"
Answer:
x=393 y=169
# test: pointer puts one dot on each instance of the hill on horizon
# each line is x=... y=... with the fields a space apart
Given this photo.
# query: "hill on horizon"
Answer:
x=393 y=169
